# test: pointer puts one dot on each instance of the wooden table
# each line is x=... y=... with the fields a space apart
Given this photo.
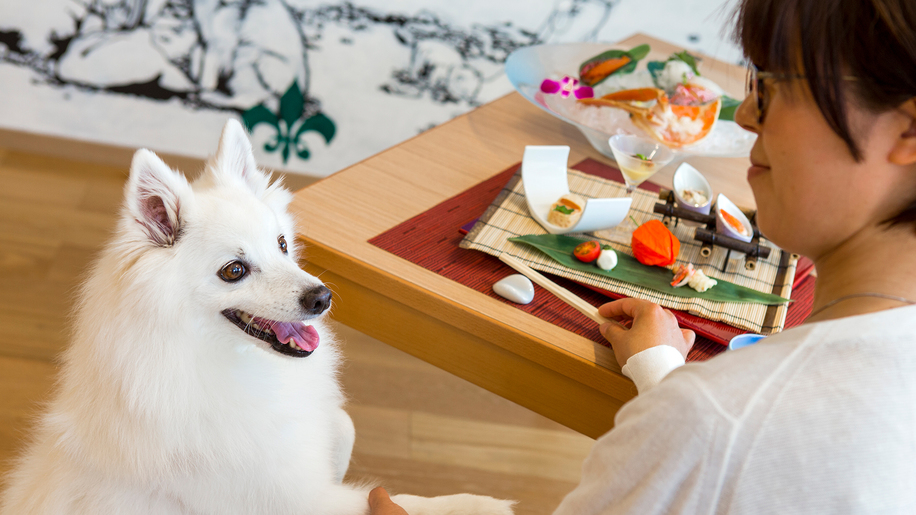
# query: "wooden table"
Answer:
x=547 y=369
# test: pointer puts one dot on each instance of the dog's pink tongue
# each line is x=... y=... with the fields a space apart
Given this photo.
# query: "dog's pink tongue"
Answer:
x=305 y=336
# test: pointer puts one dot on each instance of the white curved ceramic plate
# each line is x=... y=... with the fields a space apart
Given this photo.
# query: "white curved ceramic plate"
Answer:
x=544 y=177
x=527 y=67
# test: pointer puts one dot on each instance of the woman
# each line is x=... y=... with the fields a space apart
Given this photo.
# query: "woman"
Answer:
x=820 y=418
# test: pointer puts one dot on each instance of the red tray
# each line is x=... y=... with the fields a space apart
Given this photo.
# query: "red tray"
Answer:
x=431 y=240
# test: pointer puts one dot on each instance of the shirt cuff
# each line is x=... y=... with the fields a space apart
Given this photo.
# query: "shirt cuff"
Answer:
x=649 y=367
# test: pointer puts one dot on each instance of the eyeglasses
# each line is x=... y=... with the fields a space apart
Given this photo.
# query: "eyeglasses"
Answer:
x=757 y=87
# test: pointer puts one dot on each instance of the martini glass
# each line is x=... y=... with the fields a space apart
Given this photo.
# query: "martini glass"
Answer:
x=638 y=158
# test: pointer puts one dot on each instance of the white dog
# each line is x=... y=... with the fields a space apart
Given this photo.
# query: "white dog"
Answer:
x=201 y=378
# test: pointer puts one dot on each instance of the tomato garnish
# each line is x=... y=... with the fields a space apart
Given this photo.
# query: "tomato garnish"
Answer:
x=588 y=251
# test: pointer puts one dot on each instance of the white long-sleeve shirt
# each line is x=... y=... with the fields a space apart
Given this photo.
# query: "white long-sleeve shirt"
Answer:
x=818 y=419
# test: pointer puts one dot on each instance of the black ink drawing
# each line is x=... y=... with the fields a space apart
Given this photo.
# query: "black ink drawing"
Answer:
x=245 y=56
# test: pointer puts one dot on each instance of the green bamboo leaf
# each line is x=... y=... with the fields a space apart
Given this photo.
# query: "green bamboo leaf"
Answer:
x=729 y=106
x=292 y=104
x=629 y=270
x=259 y=114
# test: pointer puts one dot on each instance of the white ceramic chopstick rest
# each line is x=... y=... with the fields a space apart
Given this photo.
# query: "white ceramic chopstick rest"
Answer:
x=516 y=288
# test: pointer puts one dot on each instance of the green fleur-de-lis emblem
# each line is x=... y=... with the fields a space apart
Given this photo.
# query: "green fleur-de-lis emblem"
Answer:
x=290 y=124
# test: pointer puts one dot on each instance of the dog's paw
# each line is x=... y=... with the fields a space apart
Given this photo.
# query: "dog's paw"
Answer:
x=459 y=504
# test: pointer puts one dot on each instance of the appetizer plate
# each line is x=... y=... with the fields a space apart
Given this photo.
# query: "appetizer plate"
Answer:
x=544 y=177
x=527 y=67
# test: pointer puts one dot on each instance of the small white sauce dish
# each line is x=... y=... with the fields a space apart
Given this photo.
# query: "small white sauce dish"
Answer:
x=723 y=227
x=544 y=177
x=686 y=177
x=744 y=340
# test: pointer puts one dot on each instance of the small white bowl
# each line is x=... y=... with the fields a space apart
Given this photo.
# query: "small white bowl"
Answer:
x=687 y=177
x=544 y=177
x=744 y=340
x=723 y=227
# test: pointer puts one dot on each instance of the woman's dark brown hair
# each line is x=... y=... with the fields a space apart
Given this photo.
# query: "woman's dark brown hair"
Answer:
x=827 y=40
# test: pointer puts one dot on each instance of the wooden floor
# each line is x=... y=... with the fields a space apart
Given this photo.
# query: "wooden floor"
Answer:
x=418 y=430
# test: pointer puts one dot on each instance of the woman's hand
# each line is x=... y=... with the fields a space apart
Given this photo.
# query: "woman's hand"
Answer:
x=381 y=504
x=652 y=325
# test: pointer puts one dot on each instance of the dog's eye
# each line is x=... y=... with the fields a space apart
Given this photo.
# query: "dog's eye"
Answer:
x=282 y=241
x=233 y=271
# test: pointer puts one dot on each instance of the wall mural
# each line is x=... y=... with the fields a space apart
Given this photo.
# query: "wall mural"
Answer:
x=321 y=85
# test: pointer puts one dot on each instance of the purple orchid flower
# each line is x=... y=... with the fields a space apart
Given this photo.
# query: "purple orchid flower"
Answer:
x=565 y=87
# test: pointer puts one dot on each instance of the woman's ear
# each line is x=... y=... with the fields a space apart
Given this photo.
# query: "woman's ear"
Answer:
x=903 y=152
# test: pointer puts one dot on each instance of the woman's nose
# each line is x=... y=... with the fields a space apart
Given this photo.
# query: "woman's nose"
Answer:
x=746 y=115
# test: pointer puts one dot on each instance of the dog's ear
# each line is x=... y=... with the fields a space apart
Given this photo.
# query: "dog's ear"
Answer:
x=235 y=158
x=154 y=196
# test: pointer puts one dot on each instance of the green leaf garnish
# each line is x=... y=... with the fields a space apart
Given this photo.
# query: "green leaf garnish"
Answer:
x=638 y=52
x=656 y=67
x=729 y=106
x=560 y=248
x=687 y=58
x=563 y=209
x=642 y=157
x=635 y=54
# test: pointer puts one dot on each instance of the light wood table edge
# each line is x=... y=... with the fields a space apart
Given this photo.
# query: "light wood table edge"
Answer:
x=478 y=349
x=605 y=376
x=553 y=395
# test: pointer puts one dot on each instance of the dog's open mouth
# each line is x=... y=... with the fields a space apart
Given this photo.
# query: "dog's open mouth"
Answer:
x=294 y=339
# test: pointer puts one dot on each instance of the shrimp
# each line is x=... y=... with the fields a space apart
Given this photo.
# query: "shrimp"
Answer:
x=686 y=119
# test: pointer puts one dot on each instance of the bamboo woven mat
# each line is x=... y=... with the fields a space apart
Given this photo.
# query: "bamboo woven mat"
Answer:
x=508 y=216
x=431 y=240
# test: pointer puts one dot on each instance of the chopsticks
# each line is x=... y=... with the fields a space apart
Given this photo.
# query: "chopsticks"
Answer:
x=565 y=295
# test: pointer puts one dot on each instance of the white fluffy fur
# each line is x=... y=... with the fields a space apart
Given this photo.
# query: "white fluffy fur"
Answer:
x=163 y=405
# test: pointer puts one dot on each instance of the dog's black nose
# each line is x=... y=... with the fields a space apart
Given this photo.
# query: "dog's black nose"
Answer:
x=316 y=301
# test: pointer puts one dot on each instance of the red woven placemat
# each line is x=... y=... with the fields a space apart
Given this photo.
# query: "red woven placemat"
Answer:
x=431 y=239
